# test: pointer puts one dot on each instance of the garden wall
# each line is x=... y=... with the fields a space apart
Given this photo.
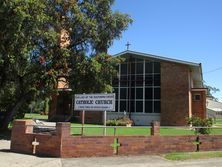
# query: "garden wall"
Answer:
x=62 y=144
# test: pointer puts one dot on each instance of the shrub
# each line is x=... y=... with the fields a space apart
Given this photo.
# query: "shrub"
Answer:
x=196 y=121
x=122 y=121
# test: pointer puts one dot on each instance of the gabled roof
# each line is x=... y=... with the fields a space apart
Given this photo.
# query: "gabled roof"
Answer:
x=156 y=57
x=214 y=105
x=194 y=67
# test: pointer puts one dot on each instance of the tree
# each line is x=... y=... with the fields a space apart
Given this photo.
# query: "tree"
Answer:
x=93 y=74
x=22 y=25
x=32 y=56
x=211 y=90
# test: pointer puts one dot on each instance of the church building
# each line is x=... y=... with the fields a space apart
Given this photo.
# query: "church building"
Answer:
x=150 y=87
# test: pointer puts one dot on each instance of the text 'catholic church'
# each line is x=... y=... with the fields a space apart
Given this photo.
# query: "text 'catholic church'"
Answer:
x=153 y=88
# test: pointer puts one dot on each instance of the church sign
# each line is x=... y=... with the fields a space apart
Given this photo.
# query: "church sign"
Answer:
x=95 y=102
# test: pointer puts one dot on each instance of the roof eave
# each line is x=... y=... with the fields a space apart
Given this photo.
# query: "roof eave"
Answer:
x=157 y=57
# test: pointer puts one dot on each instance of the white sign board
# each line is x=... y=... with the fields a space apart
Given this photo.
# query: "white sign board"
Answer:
x=95 y=102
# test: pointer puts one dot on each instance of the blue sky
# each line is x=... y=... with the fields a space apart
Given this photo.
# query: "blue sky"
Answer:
x=182 y=29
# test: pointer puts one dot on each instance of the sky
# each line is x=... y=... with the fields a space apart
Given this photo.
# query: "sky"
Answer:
x=188 y=30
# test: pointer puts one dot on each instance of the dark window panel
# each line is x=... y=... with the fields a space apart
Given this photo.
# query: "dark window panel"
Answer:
x=123 y=93
x=148 y=106
x=133 y=83
x=126 y=59
x=139 y=83
x=116 y=106
x=123 y=83
x=149 y=67
x=139 y=106
x=157 y=80
x=115 y=82
x=139 y=68
x=132 y=59
x=116 y=91
x=132 y=68
x=139 y=60
x=133 y=77
x=123 y=78
x=139 y=80
x=132 y=106
x=148 y=80
x=157 y=106
x=123 y=69
x=197 y=97
x=139 y=77
x=122 y=106
x=139 y=93
x=156 y=93
x=132 y=95
x=156 y=67
x=148 y=93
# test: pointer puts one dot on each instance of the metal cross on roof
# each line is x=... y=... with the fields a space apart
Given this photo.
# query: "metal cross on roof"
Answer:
x=127 y=45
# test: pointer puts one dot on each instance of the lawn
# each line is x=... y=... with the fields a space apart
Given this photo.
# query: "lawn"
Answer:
x=35 y=116
x=126 y=131
x=94 y=130
x=218 y=122
x=193 y=155
x=90 y=130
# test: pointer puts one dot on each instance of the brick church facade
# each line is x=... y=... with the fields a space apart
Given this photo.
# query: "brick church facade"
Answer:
x=153 y=88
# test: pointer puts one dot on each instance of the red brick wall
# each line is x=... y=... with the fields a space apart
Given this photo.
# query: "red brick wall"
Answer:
x=211 y=143
x=62 y=144
x=155 y=144
x=174 y=93
x=199 y=107
x=87 y=146
x=49 y=144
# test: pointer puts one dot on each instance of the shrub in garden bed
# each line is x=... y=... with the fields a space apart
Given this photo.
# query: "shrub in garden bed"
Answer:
x=122 y=121
x=198 y=122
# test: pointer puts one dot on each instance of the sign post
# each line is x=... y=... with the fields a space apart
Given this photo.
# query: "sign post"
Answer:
x=95 y=102
x=83 y=121
x=104 y=121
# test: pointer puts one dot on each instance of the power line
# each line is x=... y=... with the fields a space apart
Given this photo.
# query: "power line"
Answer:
x=216 y=69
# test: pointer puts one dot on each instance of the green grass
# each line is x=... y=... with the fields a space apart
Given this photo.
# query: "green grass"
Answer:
x=36 y=116
x=192 y=155
x=125 y=131
x=218 y=122
x=175 y=131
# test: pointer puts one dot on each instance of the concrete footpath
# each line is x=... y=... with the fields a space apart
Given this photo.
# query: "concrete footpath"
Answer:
x=21 y=160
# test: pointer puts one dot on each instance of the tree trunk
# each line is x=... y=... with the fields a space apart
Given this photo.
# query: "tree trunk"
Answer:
x=11 y=113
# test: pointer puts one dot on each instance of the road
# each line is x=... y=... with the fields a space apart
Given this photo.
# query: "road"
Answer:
x=8 y=158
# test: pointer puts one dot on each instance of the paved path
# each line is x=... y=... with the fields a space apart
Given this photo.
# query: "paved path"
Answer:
x=20 y=160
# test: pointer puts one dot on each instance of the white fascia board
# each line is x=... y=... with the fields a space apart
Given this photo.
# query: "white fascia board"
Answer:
x=157 y=57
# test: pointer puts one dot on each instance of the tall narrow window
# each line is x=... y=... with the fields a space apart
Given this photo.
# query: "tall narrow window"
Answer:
x=123 y=69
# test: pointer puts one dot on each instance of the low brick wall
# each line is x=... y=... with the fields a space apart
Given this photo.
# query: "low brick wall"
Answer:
x=62 y=144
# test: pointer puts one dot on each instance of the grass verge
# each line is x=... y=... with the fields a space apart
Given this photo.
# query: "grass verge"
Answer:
x=36 y=116
x=193 y=155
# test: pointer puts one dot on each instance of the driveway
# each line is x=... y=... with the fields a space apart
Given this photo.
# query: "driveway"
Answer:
x=21 y=160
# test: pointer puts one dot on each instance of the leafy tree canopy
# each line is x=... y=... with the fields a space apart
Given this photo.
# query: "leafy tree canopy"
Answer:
x=33 y=53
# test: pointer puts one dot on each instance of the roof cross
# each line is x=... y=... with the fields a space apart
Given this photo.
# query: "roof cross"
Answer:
x=127 y=45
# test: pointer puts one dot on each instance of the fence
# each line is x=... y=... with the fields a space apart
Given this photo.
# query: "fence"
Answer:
x=129 y=131
x=58 y=142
